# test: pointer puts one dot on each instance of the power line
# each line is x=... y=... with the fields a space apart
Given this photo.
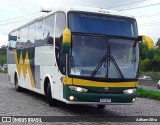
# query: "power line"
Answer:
x=149 y=24
x=20 y=20
x=19 y=17
x=17 y=21
x=146 y=16
x=31 y=14
x=127 y=4
x=155 y=4
x=13 y=22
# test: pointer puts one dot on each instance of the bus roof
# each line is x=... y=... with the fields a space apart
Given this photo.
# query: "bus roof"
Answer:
x=94 y=10
x=78 y=9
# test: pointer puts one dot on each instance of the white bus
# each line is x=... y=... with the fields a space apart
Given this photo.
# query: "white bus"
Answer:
x=77 y=55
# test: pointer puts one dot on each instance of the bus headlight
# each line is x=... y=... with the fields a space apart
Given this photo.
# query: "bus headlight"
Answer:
x=78 y=89
x=71 y=98
x=129 y=91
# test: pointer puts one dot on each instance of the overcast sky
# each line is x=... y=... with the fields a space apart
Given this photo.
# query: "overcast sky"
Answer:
x=16 y=12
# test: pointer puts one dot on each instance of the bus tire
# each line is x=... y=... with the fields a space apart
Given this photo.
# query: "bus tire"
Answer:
x=100 y=106
x=17 y=87
x=51 y=101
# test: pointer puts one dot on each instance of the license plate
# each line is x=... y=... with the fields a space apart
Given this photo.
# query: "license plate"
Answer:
x=105 y=100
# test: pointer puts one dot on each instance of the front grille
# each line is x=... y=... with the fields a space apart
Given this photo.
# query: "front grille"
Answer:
x=103 y=91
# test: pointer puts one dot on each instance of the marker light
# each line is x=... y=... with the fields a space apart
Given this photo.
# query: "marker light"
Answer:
x=78 y=89
x=129 y=91
x=133 y=99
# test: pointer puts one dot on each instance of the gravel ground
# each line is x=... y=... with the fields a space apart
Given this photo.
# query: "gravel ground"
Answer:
x=31 y=104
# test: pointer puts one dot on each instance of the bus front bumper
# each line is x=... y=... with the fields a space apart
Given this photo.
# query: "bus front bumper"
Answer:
x=74 y=97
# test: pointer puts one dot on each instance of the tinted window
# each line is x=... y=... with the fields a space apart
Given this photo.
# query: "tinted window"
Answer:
x=31 y=35
x=39 y=38
x=12 y=40
x=102 y=24
x=18 y=44
x=60 y=24
x=24 y=37
x=49 y=24
x=49 y=28
x=104 y=57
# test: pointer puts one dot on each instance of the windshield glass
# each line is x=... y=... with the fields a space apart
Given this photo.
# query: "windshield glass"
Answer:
x=88 y=52
x=102 y=24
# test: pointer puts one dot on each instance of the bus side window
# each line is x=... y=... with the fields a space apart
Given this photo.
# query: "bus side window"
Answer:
x=18 y=44
x=12 y=41
x=24 y=37
x=39 y=37
x=49 y=29
x=31 y=35
x=59 y=27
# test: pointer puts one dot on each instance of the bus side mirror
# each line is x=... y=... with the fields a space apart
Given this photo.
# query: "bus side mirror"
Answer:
x=66 y=41
x=150 y=44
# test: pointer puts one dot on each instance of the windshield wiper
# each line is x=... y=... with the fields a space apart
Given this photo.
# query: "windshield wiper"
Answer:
x=99 y=65
x=104 y=59
x=109 y=58
x=116 y=66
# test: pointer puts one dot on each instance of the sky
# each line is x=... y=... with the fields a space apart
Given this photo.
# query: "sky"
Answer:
x=14 y=13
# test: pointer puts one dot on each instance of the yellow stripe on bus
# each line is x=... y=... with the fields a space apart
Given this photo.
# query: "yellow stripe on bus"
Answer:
x=82 y=82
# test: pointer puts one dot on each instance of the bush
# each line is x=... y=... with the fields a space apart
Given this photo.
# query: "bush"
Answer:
x=146 y=65
x=3 y=59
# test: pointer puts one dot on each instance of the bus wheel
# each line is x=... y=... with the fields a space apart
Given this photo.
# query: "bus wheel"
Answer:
x=17 y=87
x=100 y=106
x=51 y=101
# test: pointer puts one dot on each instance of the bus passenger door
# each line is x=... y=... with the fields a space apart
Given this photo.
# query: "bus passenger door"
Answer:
x=60 y=24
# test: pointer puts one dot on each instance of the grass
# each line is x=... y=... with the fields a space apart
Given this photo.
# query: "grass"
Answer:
x=148 y=94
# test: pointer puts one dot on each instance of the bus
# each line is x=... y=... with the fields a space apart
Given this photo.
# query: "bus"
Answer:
x=77 y=55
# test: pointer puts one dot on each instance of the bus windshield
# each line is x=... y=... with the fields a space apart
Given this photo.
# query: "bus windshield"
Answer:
x=88 y=51
x=102 y=24
x=103 y=46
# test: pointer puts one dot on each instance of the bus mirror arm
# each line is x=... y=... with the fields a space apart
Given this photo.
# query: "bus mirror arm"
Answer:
x=150 y=44
x=148 y=40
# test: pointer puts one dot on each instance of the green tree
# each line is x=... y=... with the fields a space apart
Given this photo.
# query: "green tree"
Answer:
x=3 y=55
x=145 y=65
x=143 y=50
x=156 y=60
x=3 y=59
x=158 y=43
x=149 y=59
